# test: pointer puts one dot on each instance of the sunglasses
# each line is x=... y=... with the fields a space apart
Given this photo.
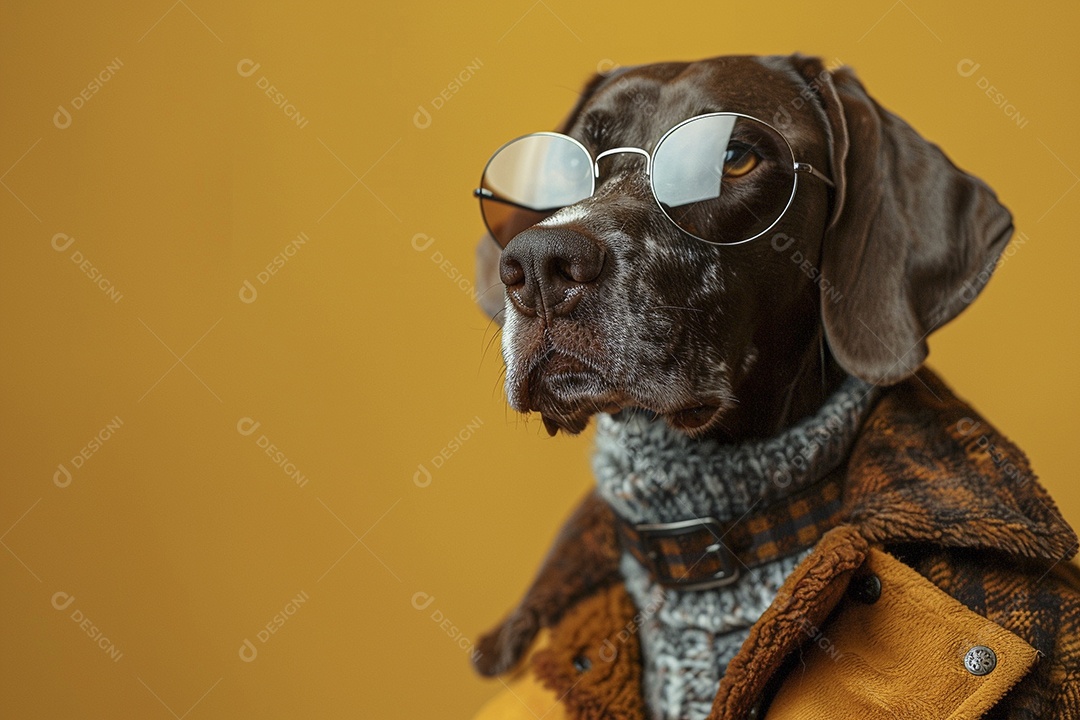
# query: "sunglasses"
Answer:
x=723 y=178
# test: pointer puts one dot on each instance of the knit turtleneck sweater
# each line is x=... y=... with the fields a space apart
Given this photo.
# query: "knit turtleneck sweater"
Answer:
x=649 y=472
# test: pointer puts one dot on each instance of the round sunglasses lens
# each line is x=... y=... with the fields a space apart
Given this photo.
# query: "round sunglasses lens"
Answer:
x=530 y=178
x=723 y=178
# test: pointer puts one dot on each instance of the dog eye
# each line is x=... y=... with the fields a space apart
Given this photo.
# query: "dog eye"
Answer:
x=739 y=160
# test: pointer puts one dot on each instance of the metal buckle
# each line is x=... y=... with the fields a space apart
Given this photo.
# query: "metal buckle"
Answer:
x=715 y=553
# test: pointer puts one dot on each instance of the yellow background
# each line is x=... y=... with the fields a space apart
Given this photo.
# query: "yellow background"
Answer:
x=180 y=179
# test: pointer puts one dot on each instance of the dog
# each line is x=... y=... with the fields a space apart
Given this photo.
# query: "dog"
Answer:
x=711 y=324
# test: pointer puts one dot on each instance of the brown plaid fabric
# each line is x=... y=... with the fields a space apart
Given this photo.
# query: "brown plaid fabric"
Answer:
x=702 y=552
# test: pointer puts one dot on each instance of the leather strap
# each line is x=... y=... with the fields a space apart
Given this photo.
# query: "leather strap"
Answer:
x=699 y=553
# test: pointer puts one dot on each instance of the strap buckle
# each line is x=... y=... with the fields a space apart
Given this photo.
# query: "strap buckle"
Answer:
x=688 y=554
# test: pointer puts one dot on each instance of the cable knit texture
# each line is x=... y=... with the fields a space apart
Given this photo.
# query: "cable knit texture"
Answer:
x=648 y=472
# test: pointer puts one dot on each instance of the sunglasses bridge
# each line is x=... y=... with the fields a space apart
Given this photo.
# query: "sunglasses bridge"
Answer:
x=621 y=150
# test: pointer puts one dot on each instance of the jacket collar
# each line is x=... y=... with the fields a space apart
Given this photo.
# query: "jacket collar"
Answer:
x=927 y=468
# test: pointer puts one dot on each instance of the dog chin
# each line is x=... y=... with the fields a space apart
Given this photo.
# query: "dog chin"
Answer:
x=567 y=401
x=567 y=390
x=695 y=421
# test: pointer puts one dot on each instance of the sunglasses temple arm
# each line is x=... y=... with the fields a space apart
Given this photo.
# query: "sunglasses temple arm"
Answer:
x=813 y=172
x=488 y=195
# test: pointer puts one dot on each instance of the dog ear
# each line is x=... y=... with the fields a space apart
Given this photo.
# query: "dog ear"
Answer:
x=912 y=239
x=488 y=252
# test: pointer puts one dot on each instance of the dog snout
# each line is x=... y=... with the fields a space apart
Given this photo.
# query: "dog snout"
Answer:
x=546 y=269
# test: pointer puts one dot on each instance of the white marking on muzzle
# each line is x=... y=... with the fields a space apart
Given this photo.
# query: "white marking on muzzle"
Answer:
x=569 y=214
x=510 y=322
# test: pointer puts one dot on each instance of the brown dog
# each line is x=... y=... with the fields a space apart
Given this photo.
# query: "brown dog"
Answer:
x=731 y=287
x=727 y=340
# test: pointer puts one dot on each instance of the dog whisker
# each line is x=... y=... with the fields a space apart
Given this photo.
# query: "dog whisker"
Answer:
x=499 y=380
x=673 y=307
x=490 y=342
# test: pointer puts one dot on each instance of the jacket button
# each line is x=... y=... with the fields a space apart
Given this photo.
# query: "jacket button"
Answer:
x=866 y=589
x=980 y=660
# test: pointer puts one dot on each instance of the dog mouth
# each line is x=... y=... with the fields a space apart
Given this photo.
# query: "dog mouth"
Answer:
x=567 y=391
x=694 y=419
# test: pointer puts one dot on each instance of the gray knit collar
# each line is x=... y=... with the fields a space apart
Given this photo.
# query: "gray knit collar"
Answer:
x=649 y=472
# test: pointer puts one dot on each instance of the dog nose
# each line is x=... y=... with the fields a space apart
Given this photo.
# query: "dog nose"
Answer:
x=541 y=266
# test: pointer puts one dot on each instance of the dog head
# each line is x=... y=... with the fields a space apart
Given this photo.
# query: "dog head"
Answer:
x=609 y=305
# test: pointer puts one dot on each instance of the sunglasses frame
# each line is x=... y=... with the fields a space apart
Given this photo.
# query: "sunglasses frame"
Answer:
x=798 y=167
